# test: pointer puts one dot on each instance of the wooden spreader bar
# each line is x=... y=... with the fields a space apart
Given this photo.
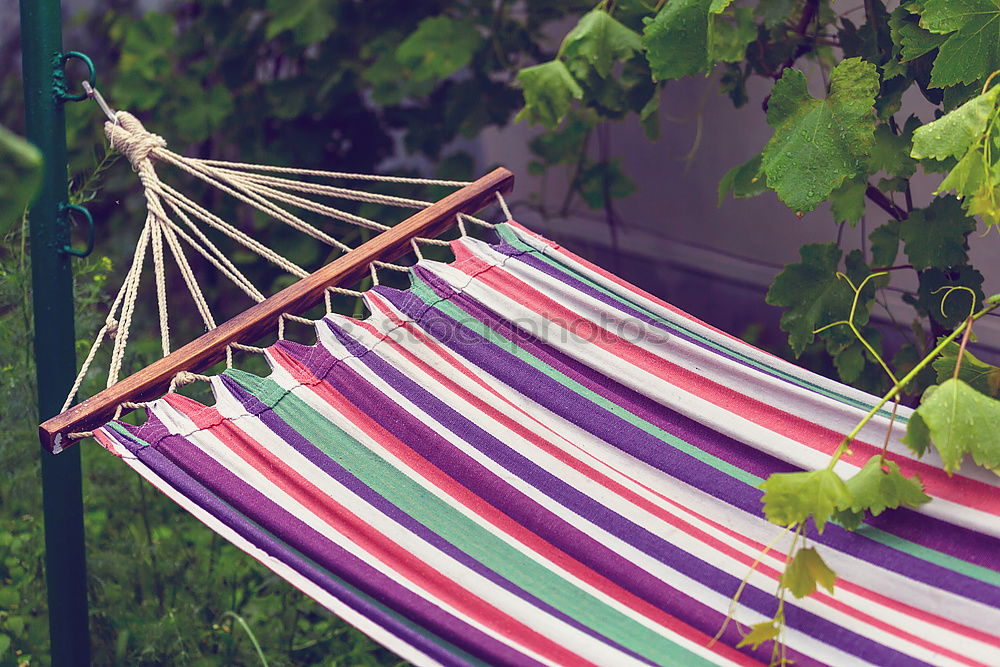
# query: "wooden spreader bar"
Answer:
x=210 y=348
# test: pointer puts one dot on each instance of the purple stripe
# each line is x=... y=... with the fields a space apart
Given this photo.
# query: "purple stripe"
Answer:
x=465 y=470
x=184 y=483
x=650 y=449
x=912 y=526
x=294 y=532
x=571 y=406
x=605 y=561
x=530 y=258
x=242 y=385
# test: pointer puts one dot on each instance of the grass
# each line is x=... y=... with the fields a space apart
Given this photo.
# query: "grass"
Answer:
x=163 y=588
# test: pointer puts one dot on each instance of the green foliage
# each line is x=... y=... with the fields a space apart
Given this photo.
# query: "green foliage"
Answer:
x=816 y=296
x=960 y=421
x=805 y=572
x=676 y=39
x=972 y=50
x=817 y=144
x=600 y=40
x=439 y=47
x=549 y=90
x=760 y=633
x=981 y=376
x=879 y=486
x=20 y=176
x=744 y=180
x=935 y=237
x=793 y=497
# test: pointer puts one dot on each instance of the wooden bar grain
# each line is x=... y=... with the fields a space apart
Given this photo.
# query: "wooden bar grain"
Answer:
x=254 y=323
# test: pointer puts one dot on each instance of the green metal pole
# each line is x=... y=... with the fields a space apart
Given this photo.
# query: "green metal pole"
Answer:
x=52 y=280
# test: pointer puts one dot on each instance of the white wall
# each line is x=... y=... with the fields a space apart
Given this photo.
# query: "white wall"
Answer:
x=714 y=260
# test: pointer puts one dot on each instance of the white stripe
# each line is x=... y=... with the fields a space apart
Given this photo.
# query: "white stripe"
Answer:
x=377 y=632
x=887 y=581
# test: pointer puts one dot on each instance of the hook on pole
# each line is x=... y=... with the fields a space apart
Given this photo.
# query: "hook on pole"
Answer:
x=66 y=210
x=59 y=79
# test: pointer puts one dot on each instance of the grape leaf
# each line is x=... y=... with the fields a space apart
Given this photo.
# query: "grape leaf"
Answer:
x=603 y=178
x=759 y=633
x=600 y=40
x=792 y=497
x=310 y=21
x=805 y=571
x=981 y=376
x=879 y=485
x=20 y=176
x=676 y=39
x=891 y=152
x=847 y=203
x=813 y=295
x=850 y=363
x=884 y=244
x=848 y=519
x=953 y=134
x=729 y=34
x=962 y=421
x=935 y=236
x=743 y=180
x=549 y=90
x=972 y=51
x=439 y=47
x=817 y=144
x=956 y=305
x=565 y=146
x=908 y=37
x=918 y=437
x=971 y=181
x=774 y=13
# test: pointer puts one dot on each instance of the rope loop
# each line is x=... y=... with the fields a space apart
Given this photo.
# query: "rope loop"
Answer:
x=132 y=139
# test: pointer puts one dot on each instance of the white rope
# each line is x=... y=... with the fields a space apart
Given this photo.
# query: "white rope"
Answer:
x=503 y=207
x=185 y=377
x=251 y=199
x=293 y=318
x=331 y=174
x=188 y=275
x=416 y=250
x=330 y=191
x=254 y=185
x=161 y=284
x=132 y=280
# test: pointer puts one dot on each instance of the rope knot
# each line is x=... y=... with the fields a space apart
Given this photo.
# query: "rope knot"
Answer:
x=132 y=139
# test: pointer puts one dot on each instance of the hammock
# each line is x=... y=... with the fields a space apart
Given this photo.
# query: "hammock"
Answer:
x=523 y=459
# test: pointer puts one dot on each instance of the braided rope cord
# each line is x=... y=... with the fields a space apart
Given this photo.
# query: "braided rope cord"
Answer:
x=173 y=221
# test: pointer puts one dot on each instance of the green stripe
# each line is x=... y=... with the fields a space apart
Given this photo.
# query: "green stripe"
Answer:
x=426 y=294
x=510 y=235
x=352 y=590
x=459 y=530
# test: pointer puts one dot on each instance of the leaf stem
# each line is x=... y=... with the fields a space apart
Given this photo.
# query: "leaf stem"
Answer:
x=879 y=199
x=898 y=387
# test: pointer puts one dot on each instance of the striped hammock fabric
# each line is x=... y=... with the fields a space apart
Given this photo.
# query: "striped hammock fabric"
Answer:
x=522 y=459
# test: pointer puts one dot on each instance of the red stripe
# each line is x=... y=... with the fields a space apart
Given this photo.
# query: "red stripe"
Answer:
x=369 y=538
x=491 y=514
x=627 y=286
x=645 y=504
x=961 y=490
